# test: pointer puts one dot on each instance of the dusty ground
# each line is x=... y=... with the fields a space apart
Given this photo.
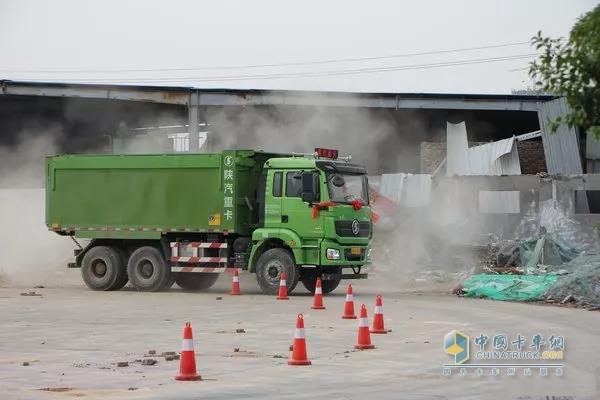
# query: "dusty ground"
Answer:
x=72 y=338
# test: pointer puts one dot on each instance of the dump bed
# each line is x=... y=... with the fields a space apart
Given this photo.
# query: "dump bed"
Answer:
x=143 y=196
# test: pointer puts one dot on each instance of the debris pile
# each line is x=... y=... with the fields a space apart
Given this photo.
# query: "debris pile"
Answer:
x=541 y=268
x=581 y=284
x=542 y=254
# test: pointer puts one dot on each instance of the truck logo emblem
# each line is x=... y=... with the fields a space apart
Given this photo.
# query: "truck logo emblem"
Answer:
x=228 y=161
x=355 y=227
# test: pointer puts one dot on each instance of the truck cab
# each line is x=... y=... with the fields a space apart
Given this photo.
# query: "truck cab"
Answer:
x=314 y=221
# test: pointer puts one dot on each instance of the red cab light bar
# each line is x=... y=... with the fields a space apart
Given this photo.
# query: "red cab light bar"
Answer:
x=326 y=153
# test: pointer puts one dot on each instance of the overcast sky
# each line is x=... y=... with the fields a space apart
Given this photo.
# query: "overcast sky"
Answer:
x=178 y=43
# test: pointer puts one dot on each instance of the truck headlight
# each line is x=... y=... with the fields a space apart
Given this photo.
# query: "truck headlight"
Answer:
x=333 y=254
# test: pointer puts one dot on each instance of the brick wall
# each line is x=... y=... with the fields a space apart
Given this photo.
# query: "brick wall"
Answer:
x=531 y=157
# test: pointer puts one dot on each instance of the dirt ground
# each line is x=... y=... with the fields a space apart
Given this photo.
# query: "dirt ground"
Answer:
x=72 y=339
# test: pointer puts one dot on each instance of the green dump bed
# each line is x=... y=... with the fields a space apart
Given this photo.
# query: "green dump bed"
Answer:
x=144 y=196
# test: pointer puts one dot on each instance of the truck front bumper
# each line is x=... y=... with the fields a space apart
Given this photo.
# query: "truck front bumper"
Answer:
x=336 y=254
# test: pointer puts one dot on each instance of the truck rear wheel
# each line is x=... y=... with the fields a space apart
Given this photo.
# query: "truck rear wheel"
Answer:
x=148 y=270
x=196 y=280
x=102 y=269
x=269 y=266
x=124 y=278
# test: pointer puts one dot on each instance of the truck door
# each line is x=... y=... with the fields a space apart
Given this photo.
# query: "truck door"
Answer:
x=273 y=194
x=295 y=213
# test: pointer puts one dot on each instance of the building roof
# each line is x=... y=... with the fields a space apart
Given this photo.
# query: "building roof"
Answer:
x=256 y=97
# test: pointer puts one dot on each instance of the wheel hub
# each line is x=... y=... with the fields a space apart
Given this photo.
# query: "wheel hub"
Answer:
x=146 y=269
x=274 y=269
x=99 y=269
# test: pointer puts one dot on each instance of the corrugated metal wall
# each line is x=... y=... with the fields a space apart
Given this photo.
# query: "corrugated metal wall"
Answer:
x=561 y=147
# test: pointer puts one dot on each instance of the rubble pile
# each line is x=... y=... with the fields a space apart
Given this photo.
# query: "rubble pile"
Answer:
x=581 y=284
x=540 y=268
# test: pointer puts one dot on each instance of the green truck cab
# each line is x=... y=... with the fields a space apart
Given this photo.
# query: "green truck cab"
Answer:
x=154 y=220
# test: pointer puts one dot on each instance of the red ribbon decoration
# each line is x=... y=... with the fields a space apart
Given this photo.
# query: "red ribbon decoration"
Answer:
x=320 y=206
x=357 y=204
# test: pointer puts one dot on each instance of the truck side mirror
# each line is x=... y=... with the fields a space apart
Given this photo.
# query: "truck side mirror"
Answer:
x=309 y=187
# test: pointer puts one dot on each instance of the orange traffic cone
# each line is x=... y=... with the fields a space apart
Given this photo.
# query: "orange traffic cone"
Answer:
x=378 y=326
x=349 y=305
x=299 y=356
x=282 y=295
x=187 y=363
x=364 y=338
x=318 y=300
x=235 y=286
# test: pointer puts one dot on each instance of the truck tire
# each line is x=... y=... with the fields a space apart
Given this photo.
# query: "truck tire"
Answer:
x=102 y=269
x=193 y=281
x=124 y=278
x=269 y=266
x=148 y=270
x=327 y=286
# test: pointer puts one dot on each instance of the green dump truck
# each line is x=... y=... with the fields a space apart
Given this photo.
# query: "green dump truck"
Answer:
x=158 y=219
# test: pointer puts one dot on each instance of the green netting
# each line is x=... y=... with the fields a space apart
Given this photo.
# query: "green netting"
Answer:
x=548 y=249
x=508 y=287
x=582 y=281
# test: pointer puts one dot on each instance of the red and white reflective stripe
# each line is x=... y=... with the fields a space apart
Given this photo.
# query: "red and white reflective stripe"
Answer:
x=208 y=245
x=187 y=345
x=282 y=282
x=198 y=269
x=363 y=322
x=200 y=260
x=318 y=290
x=202 y=245
x=349 y=297
x=236 y=278
x=299 y=333
x=378 y=310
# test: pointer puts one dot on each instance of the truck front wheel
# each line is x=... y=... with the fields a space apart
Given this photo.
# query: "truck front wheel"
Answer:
x=196 y=280
x=327 y=286
x=148 y=270
x=102 y=269
x=269 y=266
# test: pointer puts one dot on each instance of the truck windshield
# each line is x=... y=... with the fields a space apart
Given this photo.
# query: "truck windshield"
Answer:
x=343 y=188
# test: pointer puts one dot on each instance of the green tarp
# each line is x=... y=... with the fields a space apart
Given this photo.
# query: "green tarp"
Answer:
x=508 y=287
x=547 y=250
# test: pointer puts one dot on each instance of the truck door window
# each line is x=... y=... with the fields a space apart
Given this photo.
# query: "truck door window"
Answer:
x=293 y=185
x=277 y=181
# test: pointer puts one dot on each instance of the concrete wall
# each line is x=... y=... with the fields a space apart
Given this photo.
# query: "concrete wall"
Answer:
x=543 y=201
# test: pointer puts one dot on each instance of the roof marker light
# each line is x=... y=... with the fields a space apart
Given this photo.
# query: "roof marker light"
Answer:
x=326 y=153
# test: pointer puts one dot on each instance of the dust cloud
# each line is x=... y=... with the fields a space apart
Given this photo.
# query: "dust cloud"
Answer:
x=385 y=141
x=374 y=138
x=31 y=255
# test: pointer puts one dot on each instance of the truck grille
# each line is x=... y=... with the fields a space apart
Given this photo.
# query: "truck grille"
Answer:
x=344 y=228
